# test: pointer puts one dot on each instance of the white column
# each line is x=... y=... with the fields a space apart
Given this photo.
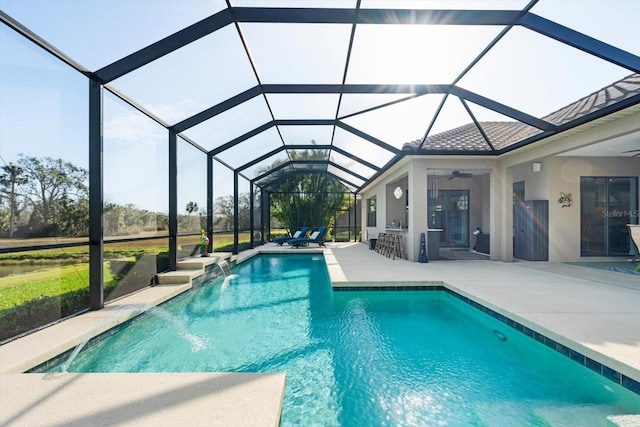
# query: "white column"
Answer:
x=417 y=207
x=501 y=217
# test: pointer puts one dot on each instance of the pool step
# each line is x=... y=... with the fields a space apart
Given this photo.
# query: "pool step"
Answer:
x=178 y=277
x=576 y=415
x=190 y=268
x=508 y=413
x=536 y=413
x=623 y=421
x=199 y=263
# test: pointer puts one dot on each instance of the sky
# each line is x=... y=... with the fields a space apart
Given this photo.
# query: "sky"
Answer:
x=43 y=102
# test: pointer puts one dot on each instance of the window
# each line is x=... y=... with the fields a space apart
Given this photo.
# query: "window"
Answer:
x=371 y=211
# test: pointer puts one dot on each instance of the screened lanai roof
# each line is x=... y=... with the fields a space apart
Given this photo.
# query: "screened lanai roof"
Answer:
x=254 y=83
x=492 y=135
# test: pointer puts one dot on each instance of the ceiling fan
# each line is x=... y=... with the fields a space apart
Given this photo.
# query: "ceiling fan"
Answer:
x=633 y=151
x=458 y=174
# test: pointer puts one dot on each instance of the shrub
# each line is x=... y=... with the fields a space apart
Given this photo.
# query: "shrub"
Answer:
x=242 y=246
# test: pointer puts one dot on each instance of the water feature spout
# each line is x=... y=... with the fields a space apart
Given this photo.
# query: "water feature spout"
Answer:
x=222 y=265
x=225 y=268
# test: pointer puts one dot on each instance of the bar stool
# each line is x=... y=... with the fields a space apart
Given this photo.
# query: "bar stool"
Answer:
x=389 y=247
x=402 y=253
x=380 y=245
x=387 y=244
x=393 y=246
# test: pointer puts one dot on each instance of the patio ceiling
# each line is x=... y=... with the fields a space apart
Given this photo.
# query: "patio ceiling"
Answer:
x=361 y=82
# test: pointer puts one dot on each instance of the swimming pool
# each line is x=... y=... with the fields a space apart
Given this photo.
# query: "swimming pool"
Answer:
x=360 y=358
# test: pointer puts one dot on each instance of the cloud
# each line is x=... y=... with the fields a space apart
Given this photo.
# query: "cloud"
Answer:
x=134 y=127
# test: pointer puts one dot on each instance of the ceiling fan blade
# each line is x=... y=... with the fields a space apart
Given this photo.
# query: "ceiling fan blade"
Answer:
x=458 y=174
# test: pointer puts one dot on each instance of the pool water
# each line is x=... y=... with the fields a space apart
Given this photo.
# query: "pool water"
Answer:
x=361 y=358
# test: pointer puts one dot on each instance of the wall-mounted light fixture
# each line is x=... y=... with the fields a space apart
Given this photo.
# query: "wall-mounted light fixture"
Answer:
x=537 y=166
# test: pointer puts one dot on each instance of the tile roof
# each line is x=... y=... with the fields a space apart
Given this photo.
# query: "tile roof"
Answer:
x=504 y=134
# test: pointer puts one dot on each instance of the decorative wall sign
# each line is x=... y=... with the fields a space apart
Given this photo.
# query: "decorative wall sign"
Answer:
x=565 y=200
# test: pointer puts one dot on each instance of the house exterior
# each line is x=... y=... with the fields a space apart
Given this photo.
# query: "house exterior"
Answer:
x=588 y=176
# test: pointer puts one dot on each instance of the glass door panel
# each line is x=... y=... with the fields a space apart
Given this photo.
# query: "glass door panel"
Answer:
x=607 y=205
x=450 y=212
x=619 y=214
x=592 y=220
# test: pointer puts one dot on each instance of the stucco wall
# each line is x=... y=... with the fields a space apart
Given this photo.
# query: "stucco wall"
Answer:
x=564 y=175
x=536 y=183
x=395 y=209
x=380 y=191
x=491 y=193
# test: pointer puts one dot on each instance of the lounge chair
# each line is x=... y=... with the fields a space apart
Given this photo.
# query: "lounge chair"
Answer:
x=298 y=234
x=316 y=237
x=634 y=233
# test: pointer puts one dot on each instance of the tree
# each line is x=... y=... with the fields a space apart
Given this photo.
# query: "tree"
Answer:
x=223 y=210
x=12 y=176
x=187 y=223
x=191 y=208
x=73 y=219
x=123 y=220
x=53 y=187
x=308 y=199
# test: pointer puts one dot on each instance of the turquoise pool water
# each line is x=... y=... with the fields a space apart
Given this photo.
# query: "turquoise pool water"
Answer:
x=361 y=358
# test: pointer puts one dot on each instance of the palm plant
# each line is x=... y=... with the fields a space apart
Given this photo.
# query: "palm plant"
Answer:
x=10 y=179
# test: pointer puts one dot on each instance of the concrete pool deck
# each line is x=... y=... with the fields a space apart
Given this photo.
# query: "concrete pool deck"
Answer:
x=591 y=311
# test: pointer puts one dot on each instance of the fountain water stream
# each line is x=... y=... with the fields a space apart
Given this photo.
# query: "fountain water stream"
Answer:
x=134 y=308
x=196 y=342
x=225 y=268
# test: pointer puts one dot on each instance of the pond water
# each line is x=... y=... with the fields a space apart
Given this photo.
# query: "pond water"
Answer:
x=28 y=267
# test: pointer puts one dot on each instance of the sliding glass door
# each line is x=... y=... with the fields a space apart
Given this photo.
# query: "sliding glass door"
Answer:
x=607 y=205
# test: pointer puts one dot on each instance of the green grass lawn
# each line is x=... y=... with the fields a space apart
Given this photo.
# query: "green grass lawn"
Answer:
x=50 y=282
x=55 y=279
x=54 y=283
